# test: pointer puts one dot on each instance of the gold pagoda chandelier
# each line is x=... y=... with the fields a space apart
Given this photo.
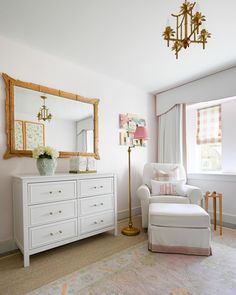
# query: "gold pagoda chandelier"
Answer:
x=188 y=29
x=44 y=114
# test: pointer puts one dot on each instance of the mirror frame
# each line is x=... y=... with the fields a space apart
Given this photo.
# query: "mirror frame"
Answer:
x=9 y=89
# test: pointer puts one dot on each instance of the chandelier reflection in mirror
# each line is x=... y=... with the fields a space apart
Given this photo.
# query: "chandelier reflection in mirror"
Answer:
x=188 y=24
x=43 y=114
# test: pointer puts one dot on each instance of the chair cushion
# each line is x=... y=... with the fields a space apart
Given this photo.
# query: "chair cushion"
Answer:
x=170 y=175
x=169 y=199
x=178 y=215
x=168 y=188
x=150 y=168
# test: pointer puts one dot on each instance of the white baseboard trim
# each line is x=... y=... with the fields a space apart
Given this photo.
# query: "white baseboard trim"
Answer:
x=227 y=218
x=6 y=246
x=125 y=213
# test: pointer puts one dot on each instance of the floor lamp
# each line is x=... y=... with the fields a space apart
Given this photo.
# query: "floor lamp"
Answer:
x=140 y=134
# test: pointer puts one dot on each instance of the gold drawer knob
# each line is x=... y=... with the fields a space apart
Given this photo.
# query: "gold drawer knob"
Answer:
x=51 y=213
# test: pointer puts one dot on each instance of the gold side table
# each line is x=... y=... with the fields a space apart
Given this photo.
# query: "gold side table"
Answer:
x=214 y=197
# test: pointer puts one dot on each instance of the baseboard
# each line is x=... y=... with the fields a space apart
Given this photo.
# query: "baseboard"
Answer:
x=7 y=246
x=229 y=220
x=125 y=213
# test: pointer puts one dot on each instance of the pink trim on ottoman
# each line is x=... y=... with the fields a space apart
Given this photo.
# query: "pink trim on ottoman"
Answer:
x=180 y=250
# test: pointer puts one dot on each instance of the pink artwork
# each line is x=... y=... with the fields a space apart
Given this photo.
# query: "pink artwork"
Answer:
x=128 y=124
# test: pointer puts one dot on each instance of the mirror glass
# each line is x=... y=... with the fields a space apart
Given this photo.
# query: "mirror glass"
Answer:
x=71 y=128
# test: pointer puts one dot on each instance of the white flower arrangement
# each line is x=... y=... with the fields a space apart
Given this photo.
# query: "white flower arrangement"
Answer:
x=47 y=152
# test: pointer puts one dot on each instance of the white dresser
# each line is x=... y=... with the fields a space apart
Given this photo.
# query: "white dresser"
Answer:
x=50 y=211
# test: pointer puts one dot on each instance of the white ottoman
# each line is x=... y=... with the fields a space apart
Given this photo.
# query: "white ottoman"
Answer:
x=179 y=228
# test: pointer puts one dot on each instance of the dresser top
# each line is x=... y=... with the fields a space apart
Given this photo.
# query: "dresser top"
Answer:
x=62 y=176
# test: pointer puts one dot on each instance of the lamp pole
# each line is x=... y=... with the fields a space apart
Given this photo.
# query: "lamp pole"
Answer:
x=130 y=230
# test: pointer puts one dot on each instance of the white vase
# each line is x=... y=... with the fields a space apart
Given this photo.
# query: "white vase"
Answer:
x=46 y=166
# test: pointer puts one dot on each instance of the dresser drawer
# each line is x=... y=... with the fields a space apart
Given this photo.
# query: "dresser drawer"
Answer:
x=51 y=191
x=52 y=212
x=49 y=234
x=93 y=187
x=96 y=204
x=93 y=223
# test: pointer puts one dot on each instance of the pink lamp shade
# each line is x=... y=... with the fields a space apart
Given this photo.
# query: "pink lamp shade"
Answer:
x=141 y=133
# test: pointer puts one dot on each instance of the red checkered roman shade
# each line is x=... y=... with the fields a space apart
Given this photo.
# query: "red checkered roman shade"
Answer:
x=209 y=125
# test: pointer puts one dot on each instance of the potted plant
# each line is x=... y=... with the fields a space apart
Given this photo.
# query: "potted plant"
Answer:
x=46 y=159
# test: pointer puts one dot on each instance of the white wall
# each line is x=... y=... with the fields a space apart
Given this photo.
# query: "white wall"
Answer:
x=228 y=136
x=219 y=85
x=31 y=65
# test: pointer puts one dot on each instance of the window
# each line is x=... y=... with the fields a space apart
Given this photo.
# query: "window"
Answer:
x=211 y=139
x=209 y=136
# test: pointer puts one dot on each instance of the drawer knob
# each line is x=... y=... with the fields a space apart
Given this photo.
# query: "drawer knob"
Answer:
x=102 y=204
x=50 y=192
x=51 y=234
x=50 y=213
x=59 y=192
x=60 y=211
x=95 y=205
x=102 y=220
x=95 y=222
x=94 y=187
x=60 y=231
x=101 y=186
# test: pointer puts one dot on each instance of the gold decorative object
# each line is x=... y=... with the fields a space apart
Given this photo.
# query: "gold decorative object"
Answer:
x=188 y=24
x=43 y=113
x=10 y=86
x=139 y=134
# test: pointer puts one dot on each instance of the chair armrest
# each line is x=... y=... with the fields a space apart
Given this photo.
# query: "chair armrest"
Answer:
x=193 y=193
x=143 y=193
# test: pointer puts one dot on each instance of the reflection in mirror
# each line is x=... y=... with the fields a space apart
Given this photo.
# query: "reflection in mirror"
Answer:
x=71 y=127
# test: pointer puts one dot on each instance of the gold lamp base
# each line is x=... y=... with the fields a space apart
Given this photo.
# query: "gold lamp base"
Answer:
x=130 y=231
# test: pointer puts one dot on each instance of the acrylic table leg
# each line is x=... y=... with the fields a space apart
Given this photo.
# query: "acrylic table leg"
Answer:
x=221 y=213
x=214 y=209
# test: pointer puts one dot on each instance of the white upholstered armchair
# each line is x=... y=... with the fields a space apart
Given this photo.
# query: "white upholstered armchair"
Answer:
x=191 y=195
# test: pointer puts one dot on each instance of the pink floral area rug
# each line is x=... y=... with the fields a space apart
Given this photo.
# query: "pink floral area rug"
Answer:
x=136 y=271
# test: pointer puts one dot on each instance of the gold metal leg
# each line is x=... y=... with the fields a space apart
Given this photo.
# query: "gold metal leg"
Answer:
x=221 y=214
x=130 y=230
x=206 y=200
x=214 y=209
x=202 y=203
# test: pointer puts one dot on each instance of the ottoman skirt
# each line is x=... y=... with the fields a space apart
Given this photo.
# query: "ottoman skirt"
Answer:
x=179 y=240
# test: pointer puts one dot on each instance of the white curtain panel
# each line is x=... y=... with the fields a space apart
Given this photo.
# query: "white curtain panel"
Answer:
x=171 y=136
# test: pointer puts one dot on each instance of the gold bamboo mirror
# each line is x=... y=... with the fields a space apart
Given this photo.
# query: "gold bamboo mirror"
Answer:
x=38 y=115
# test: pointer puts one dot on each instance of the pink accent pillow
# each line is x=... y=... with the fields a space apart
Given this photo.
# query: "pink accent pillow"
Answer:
x=172 y=174
x=167 y=188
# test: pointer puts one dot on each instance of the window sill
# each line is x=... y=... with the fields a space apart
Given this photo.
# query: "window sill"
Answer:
x=213 y=175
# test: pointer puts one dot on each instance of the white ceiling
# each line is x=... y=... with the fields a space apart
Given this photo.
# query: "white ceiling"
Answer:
x=122 y=38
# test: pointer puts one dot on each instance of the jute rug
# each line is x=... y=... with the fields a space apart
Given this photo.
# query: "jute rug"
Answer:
x=136 y=271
